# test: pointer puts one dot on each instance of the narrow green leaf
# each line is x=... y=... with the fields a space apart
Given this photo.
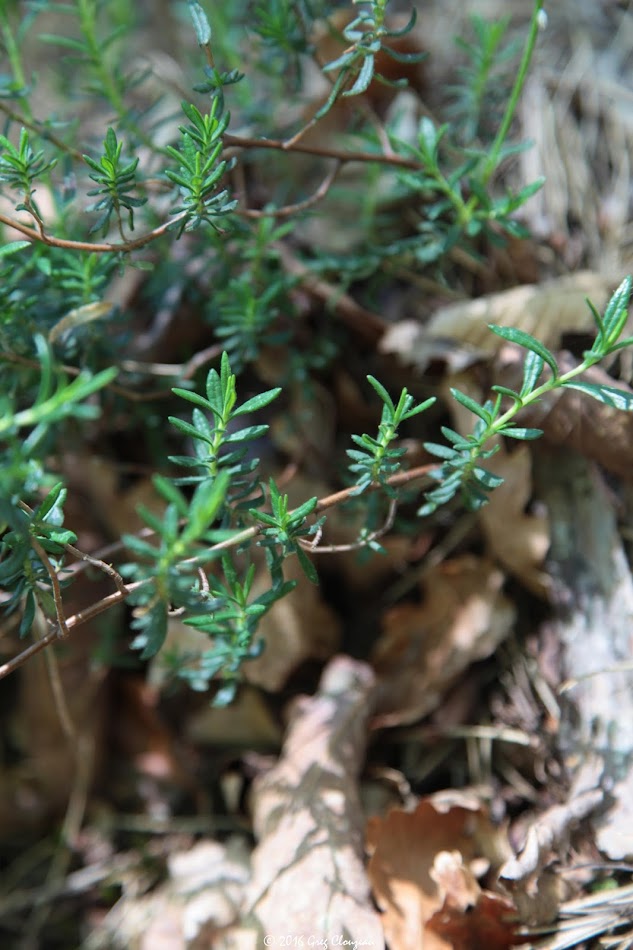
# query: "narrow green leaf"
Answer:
x=200 y=23
x=192 y=397
x=487 y=479
x=382 y=392
x=359 y=456
x=615 y=314
x=307 y=566
x=257 y=402
x=513 y=335
x=518 y=432
x=364 y=77
x=441 y=451
x=188 y=429
x=421 y=408
x=56 y=535
x=454 y=437
x=207 y=501
x=245 y=435
x=532 y=369
x=608 y=395
x=28 y=615
x=305 y=509
x=473 y=406
x=142 y=548
x=12 y=247
x=263 y=518
x=504 y=391
x=56 y=493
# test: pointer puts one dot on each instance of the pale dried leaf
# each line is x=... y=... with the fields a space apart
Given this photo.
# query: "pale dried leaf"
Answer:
x=308 y=874
x=546 y=311
x=469 y=918
x=536 y=891
x=199 y=899
x=424 y=648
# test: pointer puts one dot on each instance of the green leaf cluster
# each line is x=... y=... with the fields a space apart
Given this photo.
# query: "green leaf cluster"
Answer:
x=376 y=460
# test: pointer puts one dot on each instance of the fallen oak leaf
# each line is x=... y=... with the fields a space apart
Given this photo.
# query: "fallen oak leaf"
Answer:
x=404 y=847
x=470 y=918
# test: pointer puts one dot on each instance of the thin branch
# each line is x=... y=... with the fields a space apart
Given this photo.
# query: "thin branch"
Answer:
x=11 y=665
x=237 y=141
x=315 y=548
x=36 y=125
x=397 y=161
x=288 y=210
x=176 y=370
x=97 y=562
x=363 y=322
x=59 y=697
x=52 y=574
x=94 y=247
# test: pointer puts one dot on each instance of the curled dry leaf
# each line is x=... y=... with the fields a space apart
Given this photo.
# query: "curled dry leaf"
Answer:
x=470 y=918
x=546 y=311
x=423 y=870
x=424 y=648
x=536 y=891
x=308 y=874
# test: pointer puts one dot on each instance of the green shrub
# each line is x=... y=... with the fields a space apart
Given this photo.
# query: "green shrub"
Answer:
x=109 y=183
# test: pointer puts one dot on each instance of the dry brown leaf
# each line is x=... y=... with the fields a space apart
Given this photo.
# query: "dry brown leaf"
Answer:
x=546 y=311
x=470 y=918
x=405 y=866
x=519 y=540
x=424 y=648
x=536 y=891
x=308 y=874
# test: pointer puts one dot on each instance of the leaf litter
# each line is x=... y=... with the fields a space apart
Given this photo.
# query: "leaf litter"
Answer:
x=449 y=870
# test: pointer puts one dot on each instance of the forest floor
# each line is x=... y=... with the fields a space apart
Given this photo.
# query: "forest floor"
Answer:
x=435 y=749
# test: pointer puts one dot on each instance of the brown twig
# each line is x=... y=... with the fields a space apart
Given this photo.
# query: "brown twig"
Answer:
x=95 y=247
x=97 y=562
x=289 y=210
x=364 y=322
x=315 y=548
x=57 y=594
x=322 y=151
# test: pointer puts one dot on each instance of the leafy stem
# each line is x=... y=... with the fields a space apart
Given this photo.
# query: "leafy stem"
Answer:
x=461 y=469
x=502 y=132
